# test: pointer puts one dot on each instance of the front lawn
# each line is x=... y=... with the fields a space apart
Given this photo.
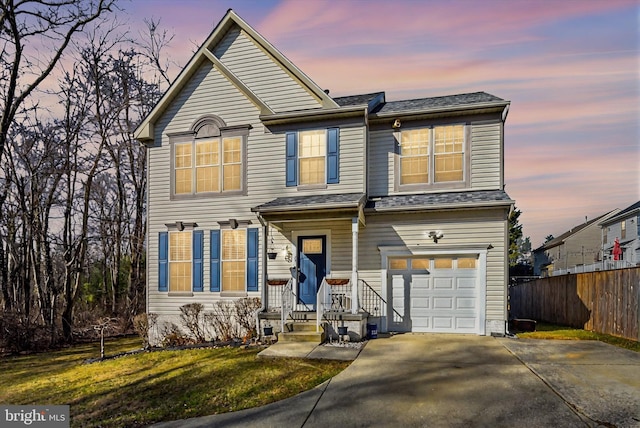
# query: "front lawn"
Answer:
x=552 y=331
x=149 y=387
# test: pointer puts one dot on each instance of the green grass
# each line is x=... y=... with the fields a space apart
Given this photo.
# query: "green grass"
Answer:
x=552 y=331
x=151 y=387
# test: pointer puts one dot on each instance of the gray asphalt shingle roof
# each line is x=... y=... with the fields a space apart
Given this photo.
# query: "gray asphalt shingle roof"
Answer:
x=435 y=200
x=310 y=202
x=623 y=213
x=421 y=104
x=353 y=200
x=356 y=100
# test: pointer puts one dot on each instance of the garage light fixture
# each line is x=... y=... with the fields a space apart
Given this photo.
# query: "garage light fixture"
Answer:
x=435 y=235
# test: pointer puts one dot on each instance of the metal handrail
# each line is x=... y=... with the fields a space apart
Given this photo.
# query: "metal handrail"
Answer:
x=372 y=302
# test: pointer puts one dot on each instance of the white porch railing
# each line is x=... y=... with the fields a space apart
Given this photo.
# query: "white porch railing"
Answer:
x=604 y=265
x=288 y=300
x=332 y=298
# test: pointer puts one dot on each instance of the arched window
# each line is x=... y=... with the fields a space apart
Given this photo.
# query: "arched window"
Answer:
x=209 y=159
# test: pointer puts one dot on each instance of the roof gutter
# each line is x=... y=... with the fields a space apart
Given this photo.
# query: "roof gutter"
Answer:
x=292 y=117
x=442 y=207
x=497 y=106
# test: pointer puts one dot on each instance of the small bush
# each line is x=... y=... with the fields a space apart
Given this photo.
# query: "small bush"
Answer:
x=17 y=334
x=191 y=320
x=172 y=336
x=142 y=323
x=245 y=315
x=221 y=319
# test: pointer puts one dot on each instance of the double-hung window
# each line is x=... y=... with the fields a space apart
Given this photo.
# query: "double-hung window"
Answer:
x=208 y=159
x=312 y=149
x=180 y=261
x=432 y=156
x=211 y=165
x=234 y=259
x=313 y=157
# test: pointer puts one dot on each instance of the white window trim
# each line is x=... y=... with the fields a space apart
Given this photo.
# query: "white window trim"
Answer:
x=432 y=184
x=169 y=261
x=233 y=293
x=323 y=183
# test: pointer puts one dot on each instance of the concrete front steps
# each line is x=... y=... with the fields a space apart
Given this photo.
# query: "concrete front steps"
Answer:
x=302 y=332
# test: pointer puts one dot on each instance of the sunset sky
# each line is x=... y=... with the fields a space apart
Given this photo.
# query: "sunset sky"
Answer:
x=569 y=68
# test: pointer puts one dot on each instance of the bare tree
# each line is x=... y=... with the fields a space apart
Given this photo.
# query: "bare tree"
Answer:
x=34 y=34
x=72 y=188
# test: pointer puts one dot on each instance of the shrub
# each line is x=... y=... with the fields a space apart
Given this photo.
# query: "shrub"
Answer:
x=142 y=323
x=172 y=336
x=221 y=319
x=245 y=315
x=191 y=320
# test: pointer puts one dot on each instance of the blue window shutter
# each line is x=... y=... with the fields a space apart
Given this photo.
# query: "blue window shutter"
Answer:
x=198 y=266
x=292 y=159
x=215 y=260
x=163 y=261
x=333 y=155
x=252 y=259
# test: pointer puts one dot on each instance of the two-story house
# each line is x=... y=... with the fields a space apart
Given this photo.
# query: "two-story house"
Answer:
x=625 y=227
x=573 y=251
x=261 y=184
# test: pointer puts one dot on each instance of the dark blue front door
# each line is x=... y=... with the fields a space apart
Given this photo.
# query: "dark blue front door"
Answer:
x=312 y=262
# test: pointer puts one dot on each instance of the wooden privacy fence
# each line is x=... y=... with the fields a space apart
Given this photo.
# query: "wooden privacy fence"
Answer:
x=605 y=302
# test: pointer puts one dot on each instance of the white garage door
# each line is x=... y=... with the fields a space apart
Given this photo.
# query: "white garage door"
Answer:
x=437 y=294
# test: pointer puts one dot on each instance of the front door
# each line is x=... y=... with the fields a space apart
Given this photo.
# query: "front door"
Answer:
x=312 y=262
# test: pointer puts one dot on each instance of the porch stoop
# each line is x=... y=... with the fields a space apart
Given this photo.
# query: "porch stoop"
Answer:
x=301 y=332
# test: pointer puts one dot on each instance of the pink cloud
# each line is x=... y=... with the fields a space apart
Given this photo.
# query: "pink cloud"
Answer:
x=471 y=23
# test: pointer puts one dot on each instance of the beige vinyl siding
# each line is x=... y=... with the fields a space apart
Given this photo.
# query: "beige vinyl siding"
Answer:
x=339 y=246
x=485 y=227
x=267 y=165
x=267 y=79
x=485 y=159
x=381 y=149
x=486 y=155
x=208 y=92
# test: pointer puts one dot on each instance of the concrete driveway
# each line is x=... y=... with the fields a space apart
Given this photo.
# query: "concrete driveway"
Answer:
x=438 y=380
x=600 y=381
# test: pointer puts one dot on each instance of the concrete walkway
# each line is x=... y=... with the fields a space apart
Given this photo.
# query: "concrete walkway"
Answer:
x=437 y=380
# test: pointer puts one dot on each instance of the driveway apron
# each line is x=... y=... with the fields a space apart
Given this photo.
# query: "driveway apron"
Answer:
x=602 y=382
x=439 y=380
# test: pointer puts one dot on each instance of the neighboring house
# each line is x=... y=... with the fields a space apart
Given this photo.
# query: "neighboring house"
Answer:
x=572 y=251
x=391 y=212
x=625 y=226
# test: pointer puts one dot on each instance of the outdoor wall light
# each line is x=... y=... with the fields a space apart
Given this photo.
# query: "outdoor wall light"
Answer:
x=396 y=124
x=435 y=235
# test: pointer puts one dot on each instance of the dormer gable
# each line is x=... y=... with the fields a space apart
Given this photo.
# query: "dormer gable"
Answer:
x=236 y=50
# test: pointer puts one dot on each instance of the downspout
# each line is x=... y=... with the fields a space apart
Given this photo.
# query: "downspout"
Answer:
x=147 y=288
x=263 y=292
x=503 y=119
x=355 y=305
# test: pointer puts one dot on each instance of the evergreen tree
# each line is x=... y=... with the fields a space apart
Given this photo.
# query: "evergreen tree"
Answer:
x=515 y=237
